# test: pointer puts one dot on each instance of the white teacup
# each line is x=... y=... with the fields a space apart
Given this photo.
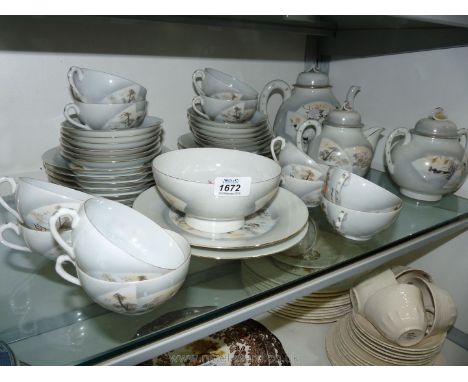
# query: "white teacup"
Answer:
x=40 y=242
x=133 y=295
x=290 y=154
x=397 y=312
x=93 y=86
x=224 y=110
x=350 y=190
x=361 y=292
x=36 y=200
x=357 y=225
x=99 y=116
x=216 y=84
x=304 y=181
x=115 y=239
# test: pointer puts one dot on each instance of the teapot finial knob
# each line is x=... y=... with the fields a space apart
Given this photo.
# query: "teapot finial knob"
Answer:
x=439 y=114
x=349 y=102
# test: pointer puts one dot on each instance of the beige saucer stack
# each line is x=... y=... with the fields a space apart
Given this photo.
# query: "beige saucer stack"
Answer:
x=354 y=341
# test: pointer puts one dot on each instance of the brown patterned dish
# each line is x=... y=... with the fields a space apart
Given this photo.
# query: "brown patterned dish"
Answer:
x=246 y=344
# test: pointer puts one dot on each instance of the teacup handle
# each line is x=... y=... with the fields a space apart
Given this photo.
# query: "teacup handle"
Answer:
x=336 y=195
x=14 y=227
x=62 y=272
x=272 y=146
x=310 y=123
x=464 y=132
x=197 y=77
x=53 y=228
x=338 y=222
x=70 y=109
x=5 y=205
x=71 y=81
x=389 y=145
x=198 y=101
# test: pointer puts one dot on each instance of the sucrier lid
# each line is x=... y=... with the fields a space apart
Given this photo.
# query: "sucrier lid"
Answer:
x=313 y=79
x=346 y=116
x=436 y=125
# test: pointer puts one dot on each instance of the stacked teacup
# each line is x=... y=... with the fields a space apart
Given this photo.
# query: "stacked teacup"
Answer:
x=300 y=174
x=224 y=114
x=355 y=207
x=399 y=317
x=106 y=136
x=33 y=203
x=123 y=260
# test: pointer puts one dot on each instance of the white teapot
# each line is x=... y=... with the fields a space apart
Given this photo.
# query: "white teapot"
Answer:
x=310 y=98
x=429 y=161
x=341 y=140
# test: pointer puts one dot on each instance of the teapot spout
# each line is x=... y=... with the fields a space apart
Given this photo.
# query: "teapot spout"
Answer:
x=373 y=134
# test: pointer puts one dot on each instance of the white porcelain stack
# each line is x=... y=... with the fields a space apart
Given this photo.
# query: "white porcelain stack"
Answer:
x=123 y=261
x=399 y=317
x=107 y=141
x=224 y=115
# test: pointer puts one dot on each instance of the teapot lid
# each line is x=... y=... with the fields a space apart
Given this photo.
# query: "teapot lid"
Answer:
x=436 y=125
x=313 y=79
x=346 y=116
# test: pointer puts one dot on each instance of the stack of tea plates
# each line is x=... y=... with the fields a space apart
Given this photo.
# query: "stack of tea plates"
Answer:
x=115 y=164
x=324 y=306
x=253 y=136
x=355 y=341
x=279 y=226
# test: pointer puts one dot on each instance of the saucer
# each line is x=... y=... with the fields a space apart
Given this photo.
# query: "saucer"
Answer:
x=148 y=125
x=283 y=218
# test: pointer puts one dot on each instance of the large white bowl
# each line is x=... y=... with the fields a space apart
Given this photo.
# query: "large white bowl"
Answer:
x=186 y=180
x=130 y=297
x=357 y=225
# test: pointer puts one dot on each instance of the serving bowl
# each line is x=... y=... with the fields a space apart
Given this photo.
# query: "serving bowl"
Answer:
x=357 y=225
x=190 y=181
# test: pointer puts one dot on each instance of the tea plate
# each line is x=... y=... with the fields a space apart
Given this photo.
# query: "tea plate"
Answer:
x=111 y=143
x=257 y=119
x=68 y=145
x=284 y=217
x=148 y=125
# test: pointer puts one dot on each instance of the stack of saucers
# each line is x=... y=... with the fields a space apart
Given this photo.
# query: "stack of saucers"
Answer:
x=107 y=141
x=253 y=135
x=355 y=341
x=223 y=115
x=324 y=306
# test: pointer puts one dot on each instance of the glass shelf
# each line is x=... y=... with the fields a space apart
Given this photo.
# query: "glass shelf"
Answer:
x=47 y=321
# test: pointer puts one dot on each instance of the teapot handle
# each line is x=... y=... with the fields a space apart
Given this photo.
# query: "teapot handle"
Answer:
x=389 y=145
x=272 y=87
x=464 y=132
x=310 y=123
